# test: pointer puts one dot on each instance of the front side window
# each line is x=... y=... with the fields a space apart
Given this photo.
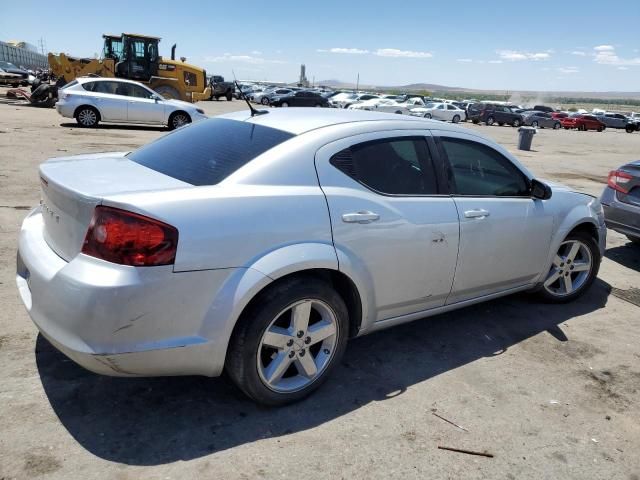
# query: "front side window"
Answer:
x=399 y=166
x=479 y=170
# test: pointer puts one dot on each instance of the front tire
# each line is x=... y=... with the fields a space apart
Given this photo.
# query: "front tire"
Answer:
x=427 y=115
x=556 y=126
x=284 y=104
x=178 y=119
x=490 y=121
x=229 y=96
x=516 y=123
x=573 y=269
x=288 y=341
x=534 y=124
x=264 y=101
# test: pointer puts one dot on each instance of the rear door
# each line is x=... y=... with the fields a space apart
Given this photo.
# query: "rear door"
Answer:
x=504 y=232
x=112 y=107
x=389 y=219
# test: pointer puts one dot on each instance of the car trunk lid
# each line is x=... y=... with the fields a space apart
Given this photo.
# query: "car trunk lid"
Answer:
x=73 y=186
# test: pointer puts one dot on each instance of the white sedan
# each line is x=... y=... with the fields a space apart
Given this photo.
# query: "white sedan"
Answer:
x=402 y=107
x=440 y=111
x=92 y=100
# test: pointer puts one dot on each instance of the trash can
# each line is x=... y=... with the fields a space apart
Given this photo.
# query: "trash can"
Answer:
x=526 y=136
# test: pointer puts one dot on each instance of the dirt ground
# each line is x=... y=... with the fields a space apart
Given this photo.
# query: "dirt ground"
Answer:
x=551 y=391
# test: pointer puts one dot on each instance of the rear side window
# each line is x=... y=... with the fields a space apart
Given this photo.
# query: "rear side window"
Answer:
x=207 y=152
x=399 y=166
x=479 y=170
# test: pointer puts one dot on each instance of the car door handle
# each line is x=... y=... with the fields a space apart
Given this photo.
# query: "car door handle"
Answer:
x=480 y=213
x=360 y=217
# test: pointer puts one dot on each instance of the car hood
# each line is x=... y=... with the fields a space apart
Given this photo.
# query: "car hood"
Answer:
x=179 y=103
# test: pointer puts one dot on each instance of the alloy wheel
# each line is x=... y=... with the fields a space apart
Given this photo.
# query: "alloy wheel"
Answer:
x=297 y=346
x=179 y=120
x=87 y=117
x=570 y=269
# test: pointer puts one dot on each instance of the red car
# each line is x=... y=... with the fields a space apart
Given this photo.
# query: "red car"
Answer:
x=582 y=122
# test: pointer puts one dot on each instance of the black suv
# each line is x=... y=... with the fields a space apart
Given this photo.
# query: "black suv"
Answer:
x=301 y=99
x=491 y=113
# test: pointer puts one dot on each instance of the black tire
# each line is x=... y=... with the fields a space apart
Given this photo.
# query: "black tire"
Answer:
x=217 y=97
x=500 y=124
x=630 y=128
x=398 y=112
x=427 y=115
x=516 y=123
x=178 y=119
x=635 y=240
x=475 y=121
x=229 y=96
x=241 y=364
x=600 y=129
x=556 y=126
x=534 y=124
x=168 y=92
x=456 y=119
x=264 y=101
x=87 y=116
x=284 y=104
x=591 y=244
x=490 y=121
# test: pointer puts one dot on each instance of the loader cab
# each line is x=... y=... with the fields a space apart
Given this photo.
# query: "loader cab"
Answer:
x=139 y=60
x=112 y=47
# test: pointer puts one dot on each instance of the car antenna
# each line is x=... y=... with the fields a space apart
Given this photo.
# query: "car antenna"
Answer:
x=253 y=110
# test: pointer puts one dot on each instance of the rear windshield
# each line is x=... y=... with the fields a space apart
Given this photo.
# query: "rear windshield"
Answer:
x=207 y=152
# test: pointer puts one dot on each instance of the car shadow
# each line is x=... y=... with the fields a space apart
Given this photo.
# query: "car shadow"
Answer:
x=627 y=255
x=152 y=421
x=114 y=126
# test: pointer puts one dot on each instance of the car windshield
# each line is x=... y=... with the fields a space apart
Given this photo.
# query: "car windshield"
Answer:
x=7 y=65
x=207 y=152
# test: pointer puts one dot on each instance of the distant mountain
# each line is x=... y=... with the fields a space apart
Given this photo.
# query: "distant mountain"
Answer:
x=444 y=88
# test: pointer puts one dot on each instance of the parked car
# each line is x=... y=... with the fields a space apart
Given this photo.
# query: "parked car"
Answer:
x=220 y=88
x=559 y=115
x=12 y=79
x=275 y=238
x=616 y=120
x=621 y=201
x=440 y=111
x=373 y=104
x=265 y=97
x=357 y=99
x=582 y=122
x=91 y=100
x=543 y=108
x=338 y=99
x=24 y=78
x=403 y=108
x=541 y=119
x=300 y=99
x=491 y=113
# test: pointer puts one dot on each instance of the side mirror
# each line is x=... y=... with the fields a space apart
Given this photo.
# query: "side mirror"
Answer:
x=539 y=190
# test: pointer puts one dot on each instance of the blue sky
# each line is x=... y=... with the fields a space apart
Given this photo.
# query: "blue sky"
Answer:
x=505 y=45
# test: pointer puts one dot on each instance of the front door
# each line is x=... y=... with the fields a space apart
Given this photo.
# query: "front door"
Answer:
x=504 y=232
x=398 y=234
x=141 y=107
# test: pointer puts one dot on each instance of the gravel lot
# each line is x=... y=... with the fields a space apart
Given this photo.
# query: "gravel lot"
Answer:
x=551 y=391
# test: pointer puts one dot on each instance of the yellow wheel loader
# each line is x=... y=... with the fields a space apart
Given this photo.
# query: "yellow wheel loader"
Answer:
x=136 y=57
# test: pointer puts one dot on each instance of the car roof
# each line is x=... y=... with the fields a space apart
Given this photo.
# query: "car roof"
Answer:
x=105 y=79
x=300 y=120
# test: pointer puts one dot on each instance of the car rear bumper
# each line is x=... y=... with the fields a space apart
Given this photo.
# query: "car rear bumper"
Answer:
x=64 y=109
x=121 y=320
x=619 y=216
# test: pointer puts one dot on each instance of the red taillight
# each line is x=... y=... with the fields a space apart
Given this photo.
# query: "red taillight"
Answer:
x=127 y=238
x=618 y=180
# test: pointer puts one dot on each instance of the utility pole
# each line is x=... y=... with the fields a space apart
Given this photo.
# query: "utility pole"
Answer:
x=358 y=82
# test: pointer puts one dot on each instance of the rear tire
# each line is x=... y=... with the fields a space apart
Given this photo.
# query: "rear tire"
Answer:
x=490 y=121
x=251 y=360
x=264 y=101
x=534 y=124
x=556 y=125
x=554 y=289
x=456 y=119
x=516 y=123
x=284 y=104
x=87 y=117
x=427 y=115
x=229 y=96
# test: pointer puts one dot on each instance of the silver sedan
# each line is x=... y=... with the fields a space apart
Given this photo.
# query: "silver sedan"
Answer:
x=92 y=100
x=259 y=244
